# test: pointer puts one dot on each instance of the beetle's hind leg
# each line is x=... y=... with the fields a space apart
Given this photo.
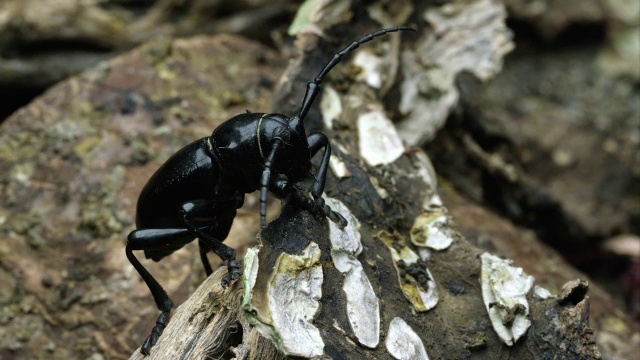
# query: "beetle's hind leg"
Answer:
x=316 y=142
x=155 y=239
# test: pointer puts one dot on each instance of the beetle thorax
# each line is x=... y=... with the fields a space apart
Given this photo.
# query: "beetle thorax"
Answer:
x=242 y=144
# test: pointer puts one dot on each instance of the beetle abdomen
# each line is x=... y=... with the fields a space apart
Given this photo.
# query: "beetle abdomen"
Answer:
x=190 y=174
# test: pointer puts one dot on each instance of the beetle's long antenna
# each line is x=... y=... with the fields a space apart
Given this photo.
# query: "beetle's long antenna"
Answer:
x=313 y=88
x=264 y=181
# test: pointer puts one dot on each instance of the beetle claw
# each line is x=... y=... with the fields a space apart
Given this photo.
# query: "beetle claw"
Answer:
x=339 y=220
x=324 y=209
x=233 y=274
x=152 y=339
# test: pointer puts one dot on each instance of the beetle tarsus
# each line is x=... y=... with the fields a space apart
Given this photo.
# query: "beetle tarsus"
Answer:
x=338 y=219
x=233 y=274
x=334 y=216
x=161 y=323
x=319 y=207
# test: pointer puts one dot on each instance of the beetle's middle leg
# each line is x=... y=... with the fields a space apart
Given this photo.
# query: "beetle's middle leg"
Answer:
x=220 y=215
x=316 y=142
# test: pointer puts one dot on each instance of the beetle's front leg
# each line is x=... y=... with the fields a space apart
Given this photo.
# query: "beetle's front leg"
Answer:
x=282 y=188
x=316 y=142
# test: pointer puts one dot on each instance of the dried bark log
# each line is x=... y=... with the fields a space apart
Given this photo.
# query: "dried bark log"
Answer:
x=457 y=327
x=211 y=324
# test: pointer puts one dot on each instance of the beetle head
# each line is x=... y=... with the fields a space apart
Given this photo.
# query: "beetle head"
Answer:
x=296 y=159
x=293 y=157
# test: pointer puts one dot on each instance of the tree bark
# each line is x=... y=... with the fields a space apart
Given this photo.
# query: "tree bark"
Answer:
x=457 y=327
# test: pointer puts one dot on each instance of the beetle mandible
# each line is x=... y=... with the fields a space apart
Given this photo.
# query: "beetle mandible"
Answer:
x=195 y=194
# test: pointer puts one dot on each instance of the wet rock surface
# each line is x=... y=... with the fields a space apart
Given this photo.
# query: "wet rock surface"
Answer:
x=73 y=163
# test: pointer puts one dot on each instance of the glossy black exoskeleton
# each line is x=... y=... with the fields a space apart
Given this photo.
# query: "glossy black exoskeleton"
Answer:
x=196 y=193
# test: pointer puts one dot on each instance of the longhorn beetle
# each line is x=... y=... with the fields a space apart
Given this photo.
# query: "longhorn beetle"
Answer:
x=196 y=193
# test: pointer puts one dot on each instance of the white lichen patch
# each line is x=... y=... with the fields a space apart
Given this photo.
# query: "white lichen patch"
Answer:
x=379 y=142
x=504 y=290
x=541 y=293
x=371 y=66
x=431 y=229
x=330 y=106
x=403 y=343
x=424 y=115
x=363 y=309
x=250 y=272
x=425 y=254
x=292 y=299
x=382 y=192
x=416 y=281
x=259 y=317
x=315 y=16
x=469 y=36
x=425 y=170
x=338 y=167
x=345 y=240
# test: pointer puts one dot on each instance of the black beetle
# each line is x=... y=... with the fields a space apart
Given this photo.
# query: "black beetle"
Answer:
x=196 y=193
